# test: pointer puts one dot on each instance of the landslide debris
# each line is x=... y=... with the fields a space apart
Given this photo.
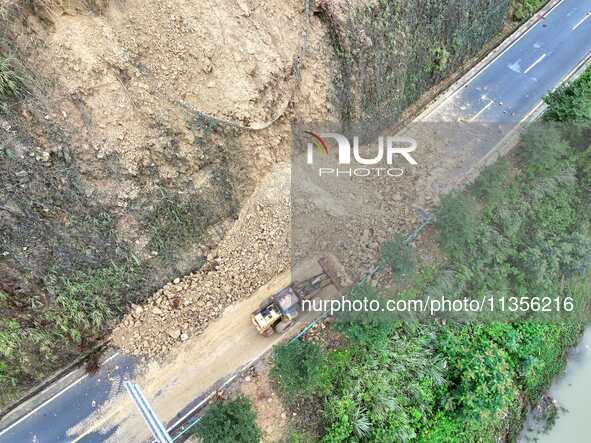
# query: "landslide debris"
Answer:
x=152 y=143
x=255 y=249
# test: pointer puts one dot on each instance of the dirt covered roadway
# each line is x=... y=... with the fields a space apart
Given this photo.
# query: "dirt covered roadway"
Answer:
x=229 y=343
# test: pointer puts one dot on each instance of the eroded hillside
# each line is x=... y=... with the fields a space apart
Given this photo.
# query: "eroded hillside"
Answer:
x=143 y=128
x=133 y=152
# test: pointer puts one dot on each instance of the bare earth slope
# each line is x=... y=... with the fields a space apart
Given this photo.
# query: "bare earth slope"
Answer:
x=145 y=128
x=154 y=142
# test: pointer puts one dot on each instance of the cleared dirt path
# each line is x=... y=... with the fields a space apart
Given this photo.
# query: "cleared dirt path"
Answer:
x=229 y=343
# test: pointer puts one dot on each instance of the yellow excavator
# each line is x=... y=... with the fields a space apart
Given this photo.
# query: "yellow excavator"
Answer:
x=279 y=311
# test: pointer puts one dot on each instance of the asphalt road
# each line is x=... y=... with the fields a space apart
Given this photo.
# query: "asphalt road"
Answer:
x=515 y=82
x=67 y=402
x=505 y=91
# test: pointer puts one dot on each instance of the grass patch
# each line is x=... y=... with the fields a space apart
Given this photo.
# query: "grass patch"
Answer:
x=175 y=223
x=85 y=302
x=10 y=82
x=230 y=421
x=170 y=216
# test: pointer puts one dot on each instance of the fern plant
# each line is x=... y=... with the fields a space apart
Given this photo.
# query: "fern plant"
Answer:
x=10 y=82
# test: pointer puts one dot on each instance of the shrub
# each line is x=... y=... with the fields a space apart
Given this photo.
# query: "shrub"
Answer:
x=489 y=184
x=543 y=150
x=570 y=103
x=440 y=58
x=524 y=9
x=457 y=221
x=383 y=391
x=399 y=255
x=297 y=369
x=10 y=82
x=538 y=353
x=231 y=421
x=484 y=391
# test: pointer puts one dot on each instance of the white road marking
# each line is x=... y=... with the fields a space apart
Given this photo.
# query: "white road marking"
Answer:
x=50 y=399
x=438 y=106
x=532 y=66
x=489 y=104
x=582 y=20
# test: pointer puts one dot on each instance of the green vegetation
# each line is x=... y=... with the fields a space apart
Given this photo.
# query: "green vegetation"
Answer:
x=490 y=183
x=524 y=9
x=86 y=301
x=488 y=366
x=173 y=223
x=383 y=384
x=179 y=221
x=457 y=223
x=231 y=421
x=400 y=257
x=440 y=58
x=297 y=369
x=520 y=230
x=83 y=305
x=10 y=82
x=571 y=103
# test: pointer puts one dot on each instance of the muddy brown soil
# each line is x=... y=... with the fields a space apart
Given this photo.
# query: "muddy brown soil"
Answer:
x=272 y=417
x=175 y=118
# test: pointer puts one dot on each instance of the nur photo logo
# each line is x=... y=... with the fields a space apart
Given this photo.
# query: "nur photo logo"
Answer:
x=385 y=152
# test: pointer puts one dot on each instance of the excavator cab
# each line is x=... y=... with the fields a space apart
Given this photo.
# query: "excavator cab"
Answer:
x=277 y=312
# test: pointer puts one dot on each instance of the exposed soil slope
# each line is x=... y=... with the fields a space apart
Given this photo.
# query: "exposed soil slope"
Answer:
x=145 y=127
x=154 y=139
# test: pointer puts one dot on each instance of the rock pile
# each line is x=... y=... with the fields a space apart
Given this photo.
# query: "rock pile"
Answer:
x=255 y=250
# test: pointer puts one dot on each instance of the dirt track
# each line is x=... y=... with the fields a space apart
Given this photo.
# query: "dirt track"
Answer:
x=172 y=386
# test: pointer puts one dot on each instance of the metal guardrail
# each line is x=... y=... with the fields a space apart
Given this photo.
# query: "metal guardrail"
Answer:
x=156 y=427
